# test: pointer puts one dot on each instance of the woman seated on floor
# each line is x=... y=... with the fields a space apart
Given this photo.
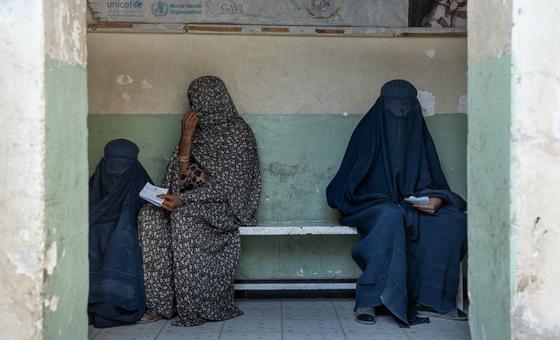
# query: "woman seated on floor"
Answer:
x=116 y=286
x=191 y=246
x=409 y=253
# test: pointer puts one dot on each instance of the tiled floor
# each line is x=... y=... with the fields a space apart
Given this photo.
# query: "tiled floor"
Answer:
x=290 y=320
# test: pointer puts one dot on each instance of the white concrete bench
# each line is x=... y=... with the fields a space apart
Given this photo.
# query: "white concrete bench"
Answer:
x=298 y=228
x=293 y=228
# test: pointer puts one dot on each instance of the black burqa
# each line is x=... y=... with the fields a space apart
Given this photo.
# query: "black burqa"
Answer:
x=407 y=257
x=116 y=288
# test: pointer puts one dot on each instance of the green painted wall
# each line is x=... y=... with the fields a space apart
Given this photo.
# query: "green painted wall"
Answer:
x=299 y=155
x=490 y=272
x=66 y=200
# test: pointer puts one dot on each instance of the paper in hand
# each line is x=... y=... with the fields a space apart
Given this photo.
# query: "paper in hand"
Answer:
x=150 y=193
x=417 y=200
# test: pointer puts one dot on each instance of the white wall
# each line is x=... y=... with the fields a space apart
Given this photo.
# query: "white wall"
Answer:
x=536 y=168
x=149 y=73
x=22 y=147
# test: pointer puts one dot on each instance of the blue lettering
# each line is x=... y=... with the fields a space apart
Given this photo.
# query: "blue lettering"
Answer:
x=125 y=4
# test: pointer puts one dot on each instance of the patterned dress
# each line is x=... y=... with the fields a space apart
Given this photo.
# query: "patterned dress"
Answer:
x=190 y=255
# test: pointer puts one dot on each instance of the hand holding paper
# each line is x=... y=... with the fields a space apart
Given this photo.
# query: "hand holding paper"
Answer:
x=417 y=200
x=150 y=193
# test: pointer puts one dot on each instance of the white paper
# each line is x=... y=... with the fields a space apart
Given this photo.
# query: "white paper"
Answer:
x=418 y=200
x=150 y=193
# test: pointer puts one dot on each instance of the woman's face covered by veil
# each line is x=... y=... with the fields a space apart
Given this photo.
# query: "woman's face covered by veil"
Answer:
x=399 y=107
x=119 y=155
x=209 y=98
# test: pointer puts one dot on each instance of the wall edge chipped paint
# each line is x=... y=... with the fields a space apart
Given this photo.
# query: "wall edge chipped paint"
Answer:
x=489 y=197
x=66 y=196
x=65 y=31
x=65 y=285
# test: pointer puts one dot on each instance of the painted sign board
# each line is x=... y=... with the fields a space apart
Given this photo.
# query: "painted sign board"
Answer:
x=356 y=13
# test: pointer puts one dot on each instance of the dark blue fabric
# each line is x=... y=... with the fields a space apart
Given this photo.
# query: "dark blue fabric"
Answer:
x=407 y=257
x=116 y=289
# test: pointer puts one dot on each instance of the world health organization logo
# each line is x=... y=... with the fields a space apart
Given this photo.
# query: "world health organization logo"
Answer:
x=160 y=8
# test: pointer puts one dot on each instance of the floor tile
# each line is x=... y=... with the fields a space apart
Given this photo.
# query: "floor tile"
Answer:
x=389 y=336
x=306 y=310
x=187 y=336
x=149 y=329
x=260 y=313
x=92 y=332
x=305 y=319
x=251 y=336
x=261 y=326
x=439 y=337
x=259 y=304
x=346 y=304
x=312 y=326
x=385 y=325
x=206 y=328
x=464 y=325
x=313 y=336
x=108 y=335
x=436 y=329
x=309 y=305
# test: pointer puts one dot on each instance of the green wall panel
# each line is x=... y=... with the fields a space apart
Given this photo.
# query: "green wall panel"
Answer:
x=66 y=200
x=299 y=155
x=489 y=160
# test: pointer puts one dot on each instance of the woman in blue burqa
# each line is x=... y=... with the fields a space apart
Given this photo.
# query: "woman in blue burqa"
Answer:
x=116 y=286
x=409 y=253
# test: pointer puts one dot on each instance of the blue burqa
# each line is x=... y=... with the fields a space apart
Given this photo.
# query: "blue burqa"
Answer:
x=407 y=257
x=116 y=286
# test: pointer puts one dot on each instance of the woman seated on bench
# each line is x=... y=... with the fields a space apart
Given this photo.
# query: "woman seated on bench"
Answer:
x=191 y=249
x=116 y=284
x=409 y=253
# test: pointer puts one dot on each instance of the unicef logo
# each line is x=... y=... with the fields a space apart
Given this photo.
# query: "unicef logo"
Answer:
x=160 y=8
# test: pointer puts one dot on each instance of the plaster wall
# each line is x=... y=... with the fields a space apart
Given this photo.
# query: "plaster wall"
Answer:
x=489 y=29
x=22 y=151
x=149 y=73
x=535 y=168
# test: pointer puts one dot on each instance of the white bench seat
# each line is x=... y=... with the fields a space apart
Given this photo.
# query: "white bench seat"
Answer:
x=297 y=228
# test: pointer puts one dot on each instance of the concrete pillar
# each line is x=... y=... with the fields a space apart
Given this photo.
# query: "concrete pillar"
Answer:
x=514 y=162
x=43 y=170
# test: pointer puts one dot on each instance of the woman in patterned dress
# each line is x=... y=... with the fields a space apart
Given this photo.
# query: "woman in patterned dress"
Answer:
x=191 y=245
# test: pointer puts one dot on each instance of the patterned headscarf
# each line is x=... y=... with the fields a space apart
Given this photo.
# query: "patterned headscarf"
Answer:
x=209 y=98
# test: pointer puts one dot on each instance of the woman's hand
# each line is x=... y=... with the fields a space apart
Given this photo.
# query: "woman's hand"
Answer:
x=431 y=208
x=171 y=202
x=188 y=125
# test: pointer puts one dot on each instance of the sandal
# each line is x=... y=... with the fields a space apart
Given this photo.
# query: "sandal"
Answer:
x=365 y=315
x=149 y=317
